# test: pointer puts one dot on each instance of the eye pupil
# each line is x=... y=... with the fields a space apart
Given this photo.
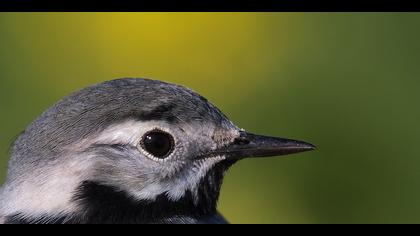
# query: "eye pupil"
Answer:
x=158 y=143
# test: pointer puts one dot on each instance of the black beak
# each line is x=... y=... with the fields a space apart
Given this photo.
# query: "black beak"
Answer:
x=252 y=145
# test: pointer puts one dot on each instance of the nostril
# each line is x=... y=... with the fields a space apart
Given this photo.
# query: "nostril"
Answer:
x=241 y=141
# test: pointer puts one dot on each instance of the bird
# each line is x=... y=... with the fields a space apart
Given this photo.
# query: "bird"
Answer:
x=128 y=151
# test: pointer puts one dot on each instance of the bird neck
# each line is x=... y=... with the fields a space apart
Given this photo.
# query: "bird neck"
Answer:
x=106 y=204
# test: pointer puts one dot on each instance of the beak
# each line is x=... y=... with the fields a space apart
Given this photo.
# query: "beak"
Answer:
x=252 y=145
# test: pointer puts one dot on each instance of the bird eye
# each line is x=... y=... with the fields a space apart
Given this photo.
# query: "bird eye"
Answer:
x=158 y=143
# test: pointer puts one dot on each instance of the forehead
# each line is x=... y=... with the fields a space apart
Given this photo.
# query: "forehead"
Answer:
x=143 y=99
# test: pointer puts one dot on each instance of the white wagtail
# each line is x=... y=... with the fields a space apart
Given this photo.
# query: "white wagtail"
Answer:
x=128 y=151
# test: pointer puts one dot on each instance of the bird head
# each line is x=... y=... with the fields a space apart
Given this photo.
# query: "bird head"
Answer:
x=128 y=150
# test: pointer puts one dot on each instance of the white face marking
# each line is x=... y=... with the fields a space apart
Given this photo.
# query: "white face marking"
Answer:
x=176 y=188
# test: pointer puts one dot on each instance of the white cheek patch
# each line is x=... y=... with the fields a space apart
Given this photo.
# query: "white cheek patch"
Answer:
x=192 y=180
x=176 y=188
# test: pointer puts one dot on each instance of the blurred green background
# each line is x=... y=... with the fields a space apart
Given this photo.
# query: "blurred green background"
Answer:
x=347 y=82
